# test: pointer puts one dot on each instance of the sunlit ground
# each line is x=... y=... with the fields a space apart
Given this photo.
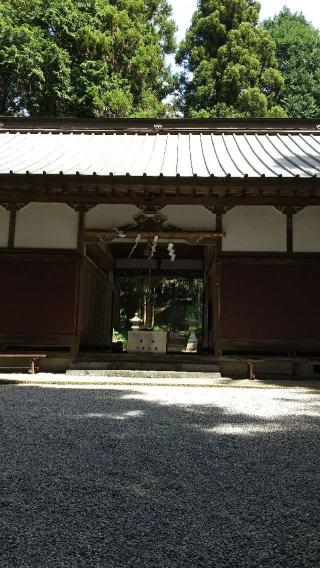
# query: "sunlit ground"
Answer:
x=159 y=476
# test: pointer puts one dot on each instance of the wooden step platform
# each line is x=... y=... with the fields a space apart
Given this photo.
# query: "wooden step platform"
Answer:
x=179 y=363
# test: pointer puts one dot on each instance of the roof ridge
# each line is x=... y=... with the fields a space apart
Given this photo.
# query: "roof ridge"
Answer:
x=167 y=125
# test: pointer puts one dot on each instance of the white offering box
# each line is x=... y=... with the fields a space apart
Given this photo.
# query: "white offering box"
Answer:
x=147 y=341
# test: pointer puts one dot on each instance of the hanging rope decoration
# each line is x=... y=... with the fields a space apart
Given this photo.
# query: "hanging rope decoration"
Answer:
x=171 y=251
x=154 y=246
x=136 y=242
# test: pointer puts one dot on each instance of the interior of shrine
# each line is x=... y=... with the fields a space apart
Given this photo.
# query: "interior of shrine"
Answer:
x=165 y=293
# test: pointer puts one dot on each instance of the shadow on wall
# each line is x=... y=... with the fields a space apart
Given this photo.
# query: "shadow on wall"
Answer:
x=159 y=477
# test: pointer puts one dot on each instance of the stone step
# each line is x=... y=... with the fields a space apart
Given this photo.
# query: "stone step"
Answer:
x=141 y=375
x=89 y=379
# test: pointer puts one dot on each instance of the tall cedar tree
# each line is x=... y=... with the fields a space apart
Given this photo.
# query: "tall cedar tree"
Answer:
x=298 y=53
x=230 y=68
x=86 y=58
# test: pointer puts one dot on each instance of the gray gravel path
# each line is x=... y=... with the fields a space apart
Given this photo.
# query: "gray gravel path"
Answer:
x=159 y=477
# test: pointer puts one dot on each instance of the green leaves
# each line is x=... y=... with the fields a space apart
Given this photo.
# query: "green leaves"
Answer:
x=102 y=58
x=229 y=62
x=298 y=52
x=107 y=58
x=34 y=71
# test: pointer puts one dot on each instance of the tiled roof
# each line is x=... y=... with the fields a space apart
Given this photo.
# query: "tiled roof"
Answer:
x=218 y=154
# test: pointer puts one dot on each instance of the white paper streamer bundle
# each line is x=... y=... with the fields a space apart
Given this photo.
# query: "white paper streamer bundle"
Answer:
x=171 y=251
x=136 y=242
x=154 y=246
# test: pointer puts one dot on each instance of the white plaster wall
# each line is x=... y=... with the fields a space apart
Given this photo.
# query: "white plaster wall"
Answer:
x=109 y=216
x=306 y=230
x=4 y=226
x=190 y=217
x=254 y=229
x=46 y=225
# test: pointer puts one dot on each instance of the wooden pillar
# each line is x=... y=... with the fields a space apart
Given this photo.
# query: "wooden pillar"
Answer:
x=289 y=214
x=207 y=281
x=13 y=208
x=81 y=209
x=12 y=227
x=217 y=286
x=213 y=280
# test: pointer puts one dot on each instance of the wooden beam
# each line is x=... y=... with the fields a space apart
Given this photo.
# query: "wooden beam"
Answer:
x=73 y=184
x=160 y=199
x=193 y=237
x=241 y=343
x=38 y=342
x=43 y=255
x=268 y=258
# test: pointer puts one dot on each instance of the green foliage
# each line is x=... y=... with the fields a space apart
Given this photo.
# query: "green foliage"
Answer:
x=162 y=327
x=95 y=58
x=175 y=300
x=118 y=336
x=298 y=52
x=230 y=68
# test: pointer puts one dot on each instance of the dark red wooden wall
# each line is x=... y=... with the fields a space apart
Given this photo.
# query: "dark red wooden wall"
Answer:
x=270 y=301
x=37 y=296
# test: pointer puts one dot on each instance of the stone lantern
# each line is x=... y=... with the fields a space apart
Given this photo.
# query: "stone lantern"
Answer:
x=135 y=322
x=192 y=345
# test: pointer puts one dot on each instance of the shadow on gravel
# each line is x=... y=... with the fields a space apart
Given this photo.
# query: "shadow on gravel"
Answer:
x=158 y=477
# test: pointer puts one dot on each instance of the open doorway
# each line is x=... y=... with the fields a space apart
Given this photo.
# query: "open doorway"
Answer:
x=173 y=303
x=164 y=278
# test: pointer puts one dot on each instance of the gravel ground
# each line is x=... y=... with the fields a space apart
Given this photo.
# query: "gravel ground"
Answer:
x=162 y=477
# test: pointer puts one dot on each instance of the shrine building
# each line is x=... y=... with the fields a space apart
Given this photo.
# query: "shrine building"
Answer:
x=232 y=204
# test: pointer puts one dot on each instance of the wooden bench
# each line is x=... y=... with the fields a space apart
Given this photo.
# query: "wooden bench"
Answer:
x=252 y=363
x=29 y=361
x=294 y=361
